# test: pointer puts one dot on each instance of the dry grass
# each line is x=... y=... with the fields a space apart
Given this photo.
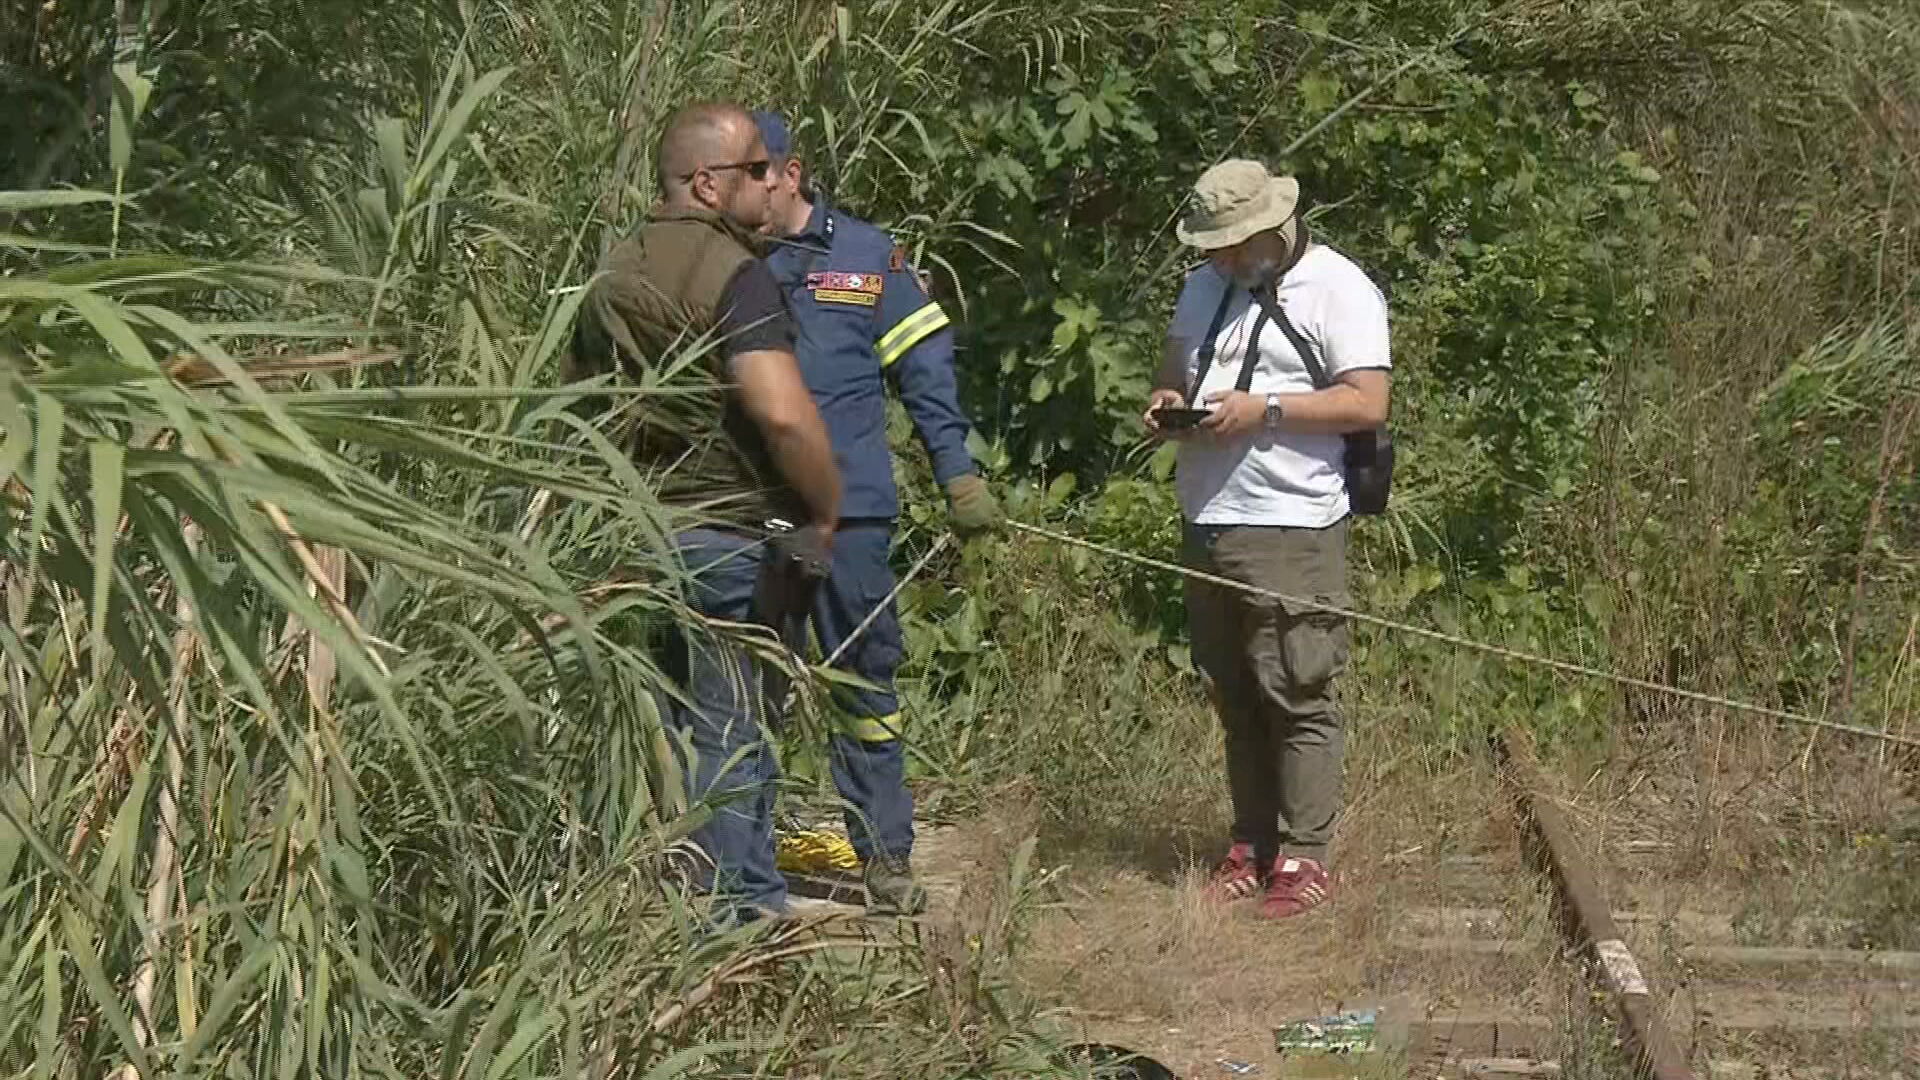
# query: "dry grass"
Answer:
x=1751 y=834
x=1129 y=953
x=1754 y=845
x=1428 y=870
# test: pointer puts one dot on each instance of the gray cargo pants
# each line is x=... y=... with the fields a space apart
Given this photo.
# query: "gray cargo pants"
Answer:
x=1270 y=672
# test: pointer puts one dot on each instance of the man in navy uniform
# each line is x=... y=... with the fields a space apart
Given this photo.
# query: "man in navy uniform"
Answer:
x=865 y=319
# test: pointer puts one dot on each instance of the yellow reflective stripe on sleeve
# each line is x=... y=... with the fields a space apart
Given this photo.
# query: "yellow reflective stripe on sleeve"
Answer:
x=869 y=728
x=908 y=332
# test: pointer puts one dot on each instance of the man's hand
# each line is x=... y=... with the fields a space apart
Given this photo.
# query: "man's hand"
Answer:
x=972 y=505
x=1163 y=399
x=1235 y=414
x=812 y=550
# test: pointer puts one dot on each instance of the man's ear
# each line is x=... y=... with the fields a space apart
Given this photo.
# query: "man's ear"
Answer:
x=705 y=188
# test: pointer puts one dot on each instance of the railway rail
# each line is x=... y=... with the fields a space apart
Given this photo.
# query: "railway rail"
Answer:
x=1745 y=1011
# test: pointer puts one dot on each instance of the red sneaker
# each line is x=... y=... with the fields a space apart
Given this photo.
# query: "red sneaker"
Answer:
x=1297 y=885
x=1236 y=878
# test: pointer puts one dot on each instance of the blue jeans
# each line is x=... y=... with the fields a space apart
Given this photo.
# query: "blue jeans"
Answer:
x=731 y=763
x=869 y=766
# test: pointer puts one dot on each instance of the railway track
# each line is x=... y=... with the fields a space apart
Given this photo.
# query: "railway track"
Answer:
x=1679 y=995
x=1534 y=953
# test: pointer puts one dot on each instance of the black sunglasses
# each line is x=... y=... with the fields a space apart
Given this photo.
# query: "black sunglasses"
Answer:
x=756 y=169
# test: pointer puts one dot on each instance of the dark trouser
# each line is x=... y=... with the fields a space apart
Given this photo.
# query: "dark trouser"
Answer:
x=1270 y=671
x=730 y=758
x=869 y=765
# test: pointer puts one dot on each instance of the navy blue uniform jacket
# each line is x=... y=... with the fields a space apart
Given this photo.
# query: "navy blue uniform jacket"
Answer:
x=863 y=318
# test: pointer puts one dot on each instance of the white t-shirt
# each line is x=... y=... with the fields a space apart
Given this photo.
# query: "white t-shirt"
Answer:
x=1290 y=478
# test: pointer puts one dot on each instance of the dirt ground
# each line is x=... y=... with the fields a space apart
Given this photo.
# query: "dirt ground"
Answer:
x=1766 y=892
x=1133 y=956
x=1435 y=922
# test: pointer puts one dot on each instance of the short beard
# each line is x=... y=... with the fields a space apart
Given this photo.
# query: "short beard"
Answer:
x=1260 y=273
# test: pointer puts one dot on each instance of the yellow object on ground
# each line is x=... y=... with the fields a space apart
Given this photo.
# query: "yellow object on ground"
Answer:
x=814 y=851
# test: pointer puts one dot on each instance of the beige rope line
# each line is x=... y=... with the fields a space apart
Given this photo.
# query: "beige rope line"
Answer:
x=938 y=544
x=793 y=692
x=1468 y=643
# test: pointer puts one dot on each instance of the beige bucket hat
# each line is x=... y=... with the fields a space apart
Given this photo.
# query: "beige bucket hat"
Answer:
x=1235 y=200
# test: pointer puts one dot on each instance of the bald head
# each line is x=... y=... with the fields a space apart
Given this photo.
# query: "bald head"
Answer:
x=697 y=135
x=706 y=159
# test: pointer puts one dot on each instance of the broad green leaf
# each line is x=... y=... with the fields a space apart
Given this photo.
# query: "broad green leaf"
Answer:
x=109 y=321
x=16 y=201
x=326 y=326
x=684 y=1062
x=50 y=431
x=96 y=372
x=47 y=1045
x=454 y=125
x=1163 y=461
x=390 y=136
x=131 y=90
x=488 y=1036
x=18 y=428
x=34 y=243
x=536 y=1024
x=319 y=992
x=456 y=1044
x=83 y=951
x=374 y=205
x=1319 y=92
x=555 y=336
x=1065 y=333
x=240 y=984
x=108 y=460
x=118 y=272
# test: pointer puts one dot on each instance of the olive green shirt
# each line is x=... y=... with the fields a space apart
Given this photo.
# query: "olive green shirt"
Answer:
x=671 y=308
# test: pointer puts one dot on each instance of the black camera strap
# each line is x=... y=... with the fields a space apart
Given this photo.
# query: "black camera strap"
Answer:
x=1247 y=363
x=1199 y=375
x=1245 y=381
x=1316 y=370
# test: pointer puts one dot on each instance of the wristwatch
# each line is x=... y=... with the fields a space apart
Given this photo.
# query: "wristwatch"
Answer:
x=1273 y=412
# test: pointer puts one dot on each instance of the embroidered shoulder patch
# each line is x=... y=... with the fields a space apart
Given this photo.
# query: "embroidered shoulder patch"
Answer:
x=839 y=287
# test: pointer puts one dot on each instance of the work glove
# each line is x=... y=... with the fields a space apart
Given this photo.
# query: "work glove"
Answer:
x=803 y=553
x=798 y=561
x=972 y=506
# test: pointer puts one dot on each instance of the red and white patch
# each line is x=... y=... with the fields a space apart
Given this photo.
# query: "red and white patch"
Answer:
x=841 y=287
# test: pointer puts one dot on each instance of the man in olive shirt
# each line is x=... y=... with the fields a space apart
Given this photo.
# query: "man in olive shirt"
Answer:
x=737 y=448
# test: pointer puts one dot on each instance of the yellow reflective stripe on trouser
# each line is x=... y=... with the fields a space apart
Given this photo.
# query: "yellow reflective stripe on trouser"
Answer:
x=907 y=333
x=869 y=728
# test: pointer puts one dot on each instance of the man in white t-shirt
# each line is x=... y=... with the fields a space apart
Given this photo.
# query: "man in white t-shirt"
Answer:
x=1263 y=492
